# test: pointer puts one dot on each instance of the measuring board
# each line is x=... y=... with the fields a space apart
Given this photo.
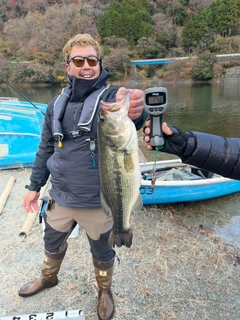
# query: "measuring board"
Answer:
x=60 y=315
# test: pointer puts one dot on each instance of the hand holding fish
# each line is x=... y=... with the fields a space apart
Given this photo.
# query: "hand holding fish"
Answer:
x=136 y=101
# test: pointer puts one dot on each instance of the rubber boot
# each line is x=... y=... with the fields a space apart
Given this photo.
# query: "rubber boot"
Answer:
x=103 y=272
x=48 y=279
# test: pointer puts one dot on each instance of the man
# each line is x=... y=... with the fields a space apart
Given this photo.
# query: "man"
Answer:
x=68 y=152
x=206 y=151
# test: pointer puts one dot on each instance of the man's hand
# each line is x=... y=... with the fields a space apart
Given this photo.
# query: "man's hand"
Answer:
x=165 y=129
x=175 y=140
x=30 y=201
x=136 y=101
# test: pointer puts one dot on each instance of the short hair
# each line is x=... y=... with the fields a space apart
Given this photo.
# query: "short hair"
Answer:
x=81 y=40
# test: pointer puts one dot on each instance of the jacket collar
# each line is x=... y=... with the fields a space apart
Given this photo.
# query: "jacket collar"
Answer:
x=81 y=88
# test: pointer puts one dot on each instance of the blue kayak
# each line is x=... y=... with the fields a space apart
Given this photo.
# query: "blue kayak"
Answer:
x=173 y=181
x=20 y=130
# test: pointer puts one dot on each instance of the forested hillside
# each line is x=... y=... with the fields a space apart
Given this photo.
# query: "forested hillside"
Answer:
x=34 y=32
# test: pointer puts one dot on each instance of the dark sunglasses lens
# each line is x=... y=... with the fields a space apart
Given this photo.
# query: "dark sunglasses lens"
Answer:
x=78 y=62
x=92 y=62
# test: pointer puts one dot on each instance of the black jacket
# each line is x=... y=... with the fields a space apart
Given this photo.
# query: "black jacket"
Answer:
x=75 y=180
x=213 y=153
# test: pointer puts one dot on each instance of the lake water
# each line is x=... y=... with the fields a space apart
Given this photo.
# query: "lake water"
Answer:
x=213 y=108
x=201 y=107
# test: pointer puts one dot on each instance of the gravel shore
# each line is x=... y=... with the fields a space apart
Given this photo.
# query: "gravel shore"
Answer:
x=171 y=271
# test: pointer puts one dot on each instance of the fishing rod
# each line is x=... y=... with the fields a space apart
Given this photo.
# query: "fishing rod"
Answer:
x=22 y=95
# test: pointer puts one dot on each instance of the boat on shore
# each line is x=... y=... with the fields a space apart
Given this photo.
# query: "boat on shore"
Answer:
x=175 y=182
x=20 y=130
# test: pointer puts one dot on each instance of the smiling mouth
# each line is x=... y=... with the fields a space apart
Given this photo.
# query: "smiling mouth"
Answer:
x=86 y=76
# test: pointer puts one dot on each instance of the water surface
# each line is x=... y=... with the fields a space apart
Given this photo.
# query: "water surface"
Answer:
x=213 y=108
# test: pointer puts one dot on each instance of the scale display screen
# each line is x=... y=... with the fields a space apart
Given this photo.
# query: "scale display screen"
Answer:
x=156 y=99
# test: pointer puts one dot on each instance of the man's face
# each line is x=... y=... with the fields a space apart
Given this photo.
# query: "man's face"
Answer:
x=85 y=71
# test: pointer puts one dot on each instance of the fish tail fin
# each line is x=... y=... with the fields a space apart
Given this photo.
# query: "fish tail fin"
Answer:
x=123 y=238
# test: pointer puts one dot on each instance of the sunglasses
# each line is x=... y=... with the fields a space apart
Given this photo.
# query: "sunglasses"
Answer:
x=78 y=61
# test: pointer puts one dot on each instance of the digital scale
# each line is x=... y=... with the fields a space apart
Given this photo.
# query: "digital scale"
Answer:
x=60 y=315
x=155 y=103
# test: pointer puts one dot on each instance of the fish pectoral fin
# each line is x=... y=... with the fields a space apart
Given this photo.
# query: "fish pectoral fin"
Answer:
x=104 y=204
x=138 y=205
x=128 y=162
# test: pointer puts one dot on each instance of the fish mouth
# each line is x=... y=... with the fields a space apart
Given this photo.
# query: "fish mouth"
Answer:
x=110 y=106
x=106 y=110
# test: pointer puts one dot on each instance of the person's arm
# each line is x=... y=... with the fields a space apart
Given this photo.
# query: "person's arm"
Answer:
x=40 y=173
x=206 y=151
x=213 y=153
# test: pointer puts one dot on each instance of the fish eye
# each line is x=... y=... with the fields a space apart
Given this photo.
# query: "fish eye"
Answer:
x=102 y=118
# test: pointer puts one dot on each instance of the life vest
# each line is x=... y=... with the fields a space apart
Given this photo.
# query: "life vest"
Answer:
x=85 y=123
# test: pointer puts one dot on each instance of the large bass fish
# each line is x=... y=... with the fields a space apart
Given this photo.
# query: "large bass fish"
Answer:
x=119 y=168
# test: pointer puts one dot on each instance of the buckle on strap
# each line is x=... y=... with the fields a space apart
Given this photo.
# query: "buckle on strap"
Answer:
x=75 y=134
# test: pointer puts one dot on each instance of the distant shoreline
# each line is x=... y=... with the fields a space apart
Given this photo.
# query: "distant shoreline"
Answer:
x=232 y=74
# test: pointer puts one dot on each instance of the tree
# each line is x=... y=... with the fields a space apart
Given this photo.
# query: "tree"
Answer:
x=189 y=34
x=194 y=29
x=204 y=67
x=129 y=19
x=107 y=21
x=178 y=15
x=224 y=16
x=117 y=61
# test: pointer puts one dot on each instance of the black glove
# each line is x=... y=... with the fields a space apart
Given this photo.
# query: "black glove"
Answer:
x=176 y=142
